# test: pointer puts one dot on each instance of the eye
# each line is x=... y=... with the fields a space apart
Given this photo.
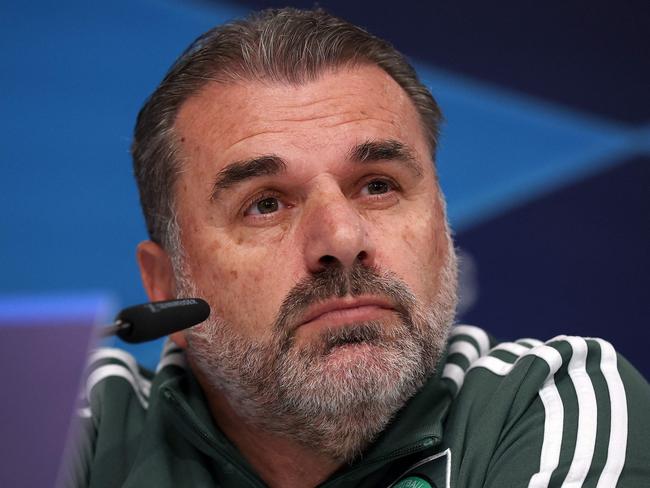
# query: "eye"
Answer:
x=264 y=205
x=377 y=187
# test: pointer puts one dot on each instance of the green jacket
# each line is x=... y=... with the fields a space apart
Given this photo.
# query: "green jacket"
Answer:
x=570 y=413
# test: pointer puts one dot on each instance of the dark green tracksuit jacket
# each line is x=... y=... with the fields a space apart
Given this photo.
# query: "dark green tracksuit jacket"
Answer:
x=566 y=413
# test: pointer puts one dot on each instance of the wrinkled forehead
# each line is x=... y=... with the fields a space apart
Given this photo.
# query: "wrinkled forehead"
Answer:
x=230 y=119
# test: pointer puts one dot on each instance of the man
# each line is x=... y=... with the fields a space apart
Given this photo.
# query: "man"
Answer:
x=286 y=171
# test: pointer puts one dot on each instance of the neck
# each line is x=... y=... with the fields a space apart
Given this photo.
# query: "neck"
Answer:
x=281 y=462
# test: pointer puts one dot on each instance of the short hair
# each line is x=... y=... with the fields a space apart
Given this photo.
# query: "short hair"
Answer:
x=277 y=45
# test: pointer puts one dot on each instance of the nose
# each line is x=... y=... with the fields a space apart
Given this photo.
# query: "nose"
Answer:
x=336 y=234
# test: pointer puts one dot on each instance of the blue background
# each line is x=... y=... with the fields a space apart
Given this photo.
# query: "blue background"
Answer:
x=544 y=156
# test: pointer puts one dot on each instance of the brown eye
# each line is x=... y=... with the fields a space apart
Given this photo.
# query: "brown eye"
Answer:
x=377 y=187
x=268 y=205
x=264 y=205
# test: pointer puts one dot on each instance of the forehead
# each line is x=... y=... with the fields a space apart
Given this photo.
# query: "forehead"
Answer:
x=226 y=122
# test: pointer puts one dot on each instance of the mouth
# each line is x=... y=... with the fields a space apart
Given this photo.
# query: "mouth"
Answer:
x=346 y=310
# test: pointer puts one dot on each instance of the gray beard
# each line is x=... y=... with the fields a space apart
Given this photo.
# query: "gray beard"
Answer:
x=333 y=404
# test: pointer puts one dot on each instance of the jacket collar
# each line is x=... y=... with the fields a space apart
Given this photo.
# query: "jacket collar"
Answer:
x=418 y=425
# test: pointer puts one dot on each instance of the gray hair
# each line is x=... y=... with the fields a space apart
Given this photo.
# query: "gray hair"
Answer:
x=286 y=45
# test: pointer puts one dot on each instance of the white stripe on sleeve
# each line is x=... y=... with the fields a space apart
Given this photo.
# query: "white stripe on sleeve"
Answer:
x=466 y=349
x=553 y=429
x=587 y=414
x=169 y=347
x=499 y=366
x=454 y=373
x=476 y=333
x=174 y=358
x=84 y=412
x=527 y=341
x=495 y=365
x=553 y=419
x=511 y=347
x=109 y=370
x=618 y=430
x=143 y=384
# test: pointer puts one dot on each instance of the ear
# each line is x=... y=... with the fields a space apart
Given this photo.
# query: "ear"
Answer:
x=156 y=271
x=158 y=278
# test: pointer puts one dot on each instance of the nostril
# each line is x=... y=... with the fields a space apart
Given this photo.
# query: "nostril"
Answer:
x=328 y=261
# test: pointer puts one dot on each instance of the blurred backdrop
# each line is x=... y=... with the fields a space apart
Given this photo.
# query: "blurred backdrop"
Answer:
x=544 y=158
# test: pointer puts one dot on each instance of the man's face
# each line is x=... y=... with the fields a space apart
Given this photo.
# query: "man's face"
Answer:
x=310 y=220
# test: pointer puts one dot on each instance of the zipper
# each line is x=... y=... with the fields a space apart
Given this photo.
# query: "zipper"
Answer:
x=392 y=456
x=188 y=416
x=429 y=459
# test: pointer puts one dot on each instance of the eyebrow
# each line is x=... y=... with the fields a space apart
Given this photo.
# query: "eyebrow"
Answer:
x=239 y=171
x=271 y=165
x=386 y=150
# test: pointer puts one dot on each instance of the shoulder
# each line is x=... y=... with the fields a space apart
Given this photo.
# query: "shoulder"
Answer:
x=114 y=380
x=111 y=370
x=115 y=401
x=476 y=365
x=570 y=408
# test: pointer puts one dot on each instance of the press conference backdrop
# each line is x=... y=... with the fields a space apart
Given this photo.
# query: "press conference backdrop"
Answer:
x=544 y=156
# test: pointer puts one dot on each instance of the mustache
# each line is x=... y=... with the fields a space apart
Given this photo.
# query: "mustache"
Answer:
x=338 y=282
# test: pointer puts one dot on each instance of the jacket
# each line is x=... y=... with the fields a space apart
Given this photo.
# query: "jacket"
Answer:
x=568 y=412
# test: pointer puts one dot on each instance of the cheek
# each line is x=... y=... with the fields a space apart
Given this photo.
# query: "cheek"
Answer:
x=415 y=250
x=242 y=280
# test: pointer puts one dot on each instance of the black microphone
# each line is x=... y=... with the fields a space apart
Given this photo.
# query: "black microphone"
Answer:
x=150 y=321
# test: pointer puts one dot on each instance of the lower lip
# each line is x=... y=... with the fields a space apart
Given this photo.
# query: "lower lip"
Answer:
x=347 y=316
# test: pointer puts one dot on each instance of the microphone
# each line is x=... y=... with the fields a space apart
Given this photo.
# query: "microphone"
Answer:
x=150 y=321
